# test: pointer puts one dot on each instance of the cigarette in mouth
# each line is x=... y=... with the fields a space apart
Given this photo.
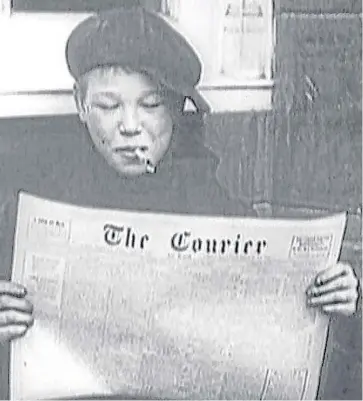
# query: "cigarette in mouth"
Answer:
x=150 y=168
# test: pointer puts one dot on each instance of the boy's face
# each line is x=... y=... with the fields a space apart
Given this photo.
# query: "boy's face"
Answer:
x=124 y=111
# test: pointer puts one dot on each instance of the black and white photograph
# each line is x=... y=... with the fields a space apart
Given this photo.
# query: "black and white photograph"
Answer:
x=181 y=199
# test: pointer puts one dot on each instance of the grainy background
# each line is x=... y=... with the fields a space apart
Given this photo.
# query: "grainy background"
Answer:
x=302 y=158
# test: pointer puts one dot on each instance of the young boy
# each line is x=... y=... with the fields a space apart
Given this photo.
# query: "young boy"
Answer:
x=133 y=73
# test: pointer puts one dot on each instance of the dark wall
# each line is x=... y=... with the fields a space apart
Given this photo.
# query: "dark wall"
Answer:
x=317 y=147
x=319 y=7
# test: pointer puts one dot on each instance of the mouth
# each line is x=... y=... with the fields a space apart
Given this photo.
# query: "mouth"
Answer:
x=129 y=152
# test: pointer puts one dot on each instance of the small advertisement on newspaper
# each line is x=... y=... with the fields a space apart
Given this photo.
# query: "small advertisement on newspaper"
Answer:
x=168 y=306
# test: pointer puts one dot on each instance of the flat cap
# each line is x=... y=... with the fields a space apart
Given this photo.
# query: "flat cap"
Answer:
x=141 y=40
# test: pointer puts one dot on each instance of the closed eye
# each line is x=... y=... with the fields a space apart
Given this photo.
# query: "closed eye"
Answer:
x=106 y=106
x=152 y=101
x=153 y=105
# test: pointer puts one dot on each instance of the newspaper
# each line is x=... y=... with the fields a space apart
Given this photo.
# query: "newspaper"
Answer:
x=169 y=306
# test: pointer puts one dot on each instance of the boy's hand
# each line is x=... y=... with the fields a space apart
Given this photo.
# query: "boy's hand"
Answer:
x=335 y=290
x=15 y=311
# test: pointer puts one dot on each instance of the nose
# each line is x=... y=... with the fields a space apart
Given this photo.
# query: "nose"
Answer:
x=129 y=124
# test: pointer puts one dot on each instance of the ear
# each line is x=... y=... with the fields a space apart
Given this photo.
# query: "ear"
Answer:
x=78 y=98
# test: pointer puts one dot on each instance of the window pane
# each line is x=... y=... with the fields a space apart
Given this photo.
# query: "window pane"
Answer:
x=242 y=33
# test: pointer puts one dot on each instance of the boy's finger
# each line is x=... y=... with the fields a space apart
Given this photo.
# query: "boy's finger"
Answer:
x=10 y=302
x=342 y=296
x=337 y=308
x=11 y=332
x=10 y=317
x=10 y=288
x=333 y=272
x=340 y=283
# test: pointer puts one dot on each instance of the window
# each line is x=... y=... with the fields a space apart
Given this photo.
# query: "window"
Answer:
x=241 y=32
x=235 y=40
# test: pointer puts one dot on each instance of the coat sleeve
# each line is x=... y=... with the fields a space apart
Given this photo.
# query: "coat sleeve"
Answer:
x=8 y=209
x=204 y=194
